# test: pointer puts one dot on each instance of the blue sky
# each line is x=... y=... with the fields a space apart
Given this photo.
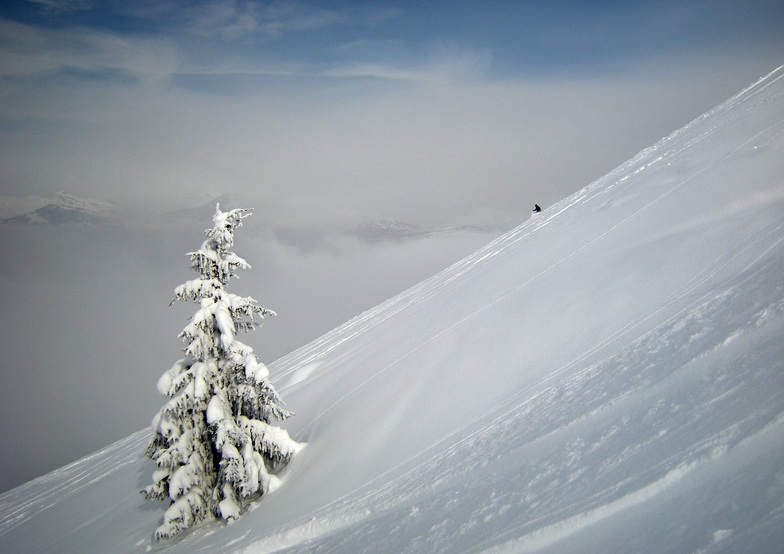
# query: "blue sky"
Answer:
x=321 y=116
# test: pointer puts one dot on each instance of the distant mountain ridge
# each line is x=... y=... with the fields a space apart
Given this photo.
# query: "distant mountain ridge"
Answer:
x=65 y=208
x=391 y=229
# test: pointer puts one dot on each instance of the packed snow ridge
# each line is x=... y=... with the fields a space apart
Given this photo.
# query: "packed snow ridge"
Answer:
x=606 y=377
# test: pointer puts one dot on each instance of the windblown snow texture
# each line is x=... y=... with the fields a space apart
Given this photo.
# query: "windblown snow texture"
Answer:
x=608 y=376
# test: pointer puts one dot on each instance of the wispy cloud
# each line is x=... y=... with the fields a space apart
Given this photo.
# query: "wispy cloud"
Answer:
x=234 y=19
x=63 y=5
x=249 y=19
x=29 y=50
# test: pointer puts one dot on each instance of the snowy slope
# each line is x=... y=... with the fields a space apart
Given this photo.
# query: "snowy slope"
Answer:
x=608 y=376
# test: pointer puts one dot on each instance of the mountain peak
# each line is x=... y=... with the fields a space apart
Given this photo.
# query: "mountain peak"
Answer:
x=65 y=208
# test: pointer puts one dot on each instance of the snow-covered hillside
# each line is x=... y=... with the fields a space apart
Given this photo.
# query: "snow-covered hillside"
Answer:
x=607 y=377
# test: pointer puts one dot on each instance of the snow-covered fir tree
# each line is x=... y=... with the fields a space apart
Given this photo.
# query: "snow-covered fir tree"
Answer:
x=214 y=445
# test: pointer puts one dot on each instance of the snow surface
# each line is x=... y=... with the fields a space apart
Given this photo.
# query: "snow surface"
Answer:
x=607 y=377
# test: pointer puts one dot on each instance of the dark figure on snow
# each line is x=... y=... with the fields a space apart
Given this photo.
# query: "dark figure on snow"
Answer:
x=537 y=208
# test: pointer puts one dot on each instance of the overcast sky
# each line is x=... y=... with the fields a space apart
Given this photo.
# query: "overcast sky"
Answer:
x=321 y=116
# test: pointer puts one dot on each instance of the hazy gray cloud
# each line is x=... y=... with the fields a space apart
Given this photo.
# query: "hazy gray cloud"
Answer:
x=236 y=19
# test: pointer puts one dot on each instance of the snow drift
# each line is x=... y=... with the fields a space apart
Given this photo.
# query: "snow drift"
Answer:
x=608 y=376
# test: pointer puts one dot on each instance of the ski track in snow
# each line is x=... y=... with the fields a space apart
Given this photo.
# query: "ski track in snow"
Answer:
x=25 y=502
